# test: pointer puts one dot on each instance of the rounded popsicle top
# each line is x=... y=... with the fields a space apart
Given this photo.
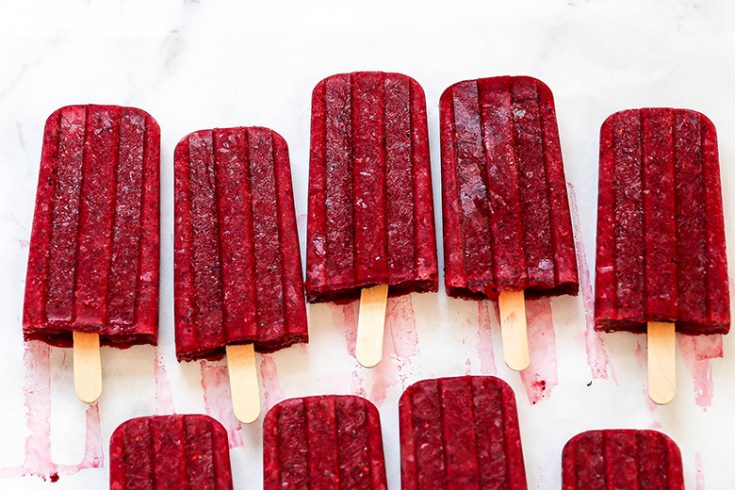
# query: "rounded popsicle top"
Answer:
x=622 y=458
x=174 y=451
x=207 y=134
x=151 y=123
x=624 y=114
x=542 y=89
x=356 y=76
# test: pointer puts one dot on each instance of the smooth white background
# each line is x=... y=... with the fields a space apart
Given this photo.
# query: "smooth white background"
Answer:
x=202 y=64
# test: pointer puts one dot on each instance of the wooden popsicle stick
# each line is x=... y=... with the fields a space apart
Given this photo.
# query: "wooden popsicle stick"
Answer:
x=661 y=362
x=244 y=388
x=513 y=327
x=371 y=324
x=87 y=366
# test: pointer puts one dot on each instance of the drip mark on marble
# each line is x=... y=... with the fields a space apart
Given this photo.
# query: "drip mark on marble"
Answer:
x=37 y=400
x=271 y=384
x=540 y=377
x=487 y=315
x=597 y=357
x=699 y=469
x=697 y=351
x=400 y=346
x=217 y=399
x=348 y=320
x=164 y=399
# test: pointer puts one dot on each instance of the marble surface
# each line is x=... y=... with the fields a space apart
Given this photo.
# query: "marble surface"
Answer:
x=200 y=64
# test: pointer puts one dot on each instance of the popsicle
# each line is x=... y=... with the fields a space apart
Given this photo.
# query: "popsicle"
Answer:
x=621 y=459
x=371 y=216
x=93 y=263
x=460 y=433
x=170 y=452
x=507 y=227
x=661 y=263
x=237 y=267
x=324 y=442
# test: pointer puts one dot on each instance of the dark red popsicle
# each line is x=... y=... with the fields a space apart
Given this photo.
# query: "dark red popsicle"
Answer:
x=623 y=460
x=371 y=217
x=93 y=262
x=506 y=216
x=324 y=442
x=660 y=231
x=237 y=262
x=460 y=433
x=170 y=452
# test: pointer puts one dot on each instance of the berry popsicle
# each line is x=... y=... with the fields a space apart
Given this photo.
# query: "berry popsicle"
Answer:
x=661 y=263
x=371 y=217
x=93 y=264
x=621 y=459
x=237 y=267
x=170 y=451
x=324 y=442
x=507 y=227
x=460 y=433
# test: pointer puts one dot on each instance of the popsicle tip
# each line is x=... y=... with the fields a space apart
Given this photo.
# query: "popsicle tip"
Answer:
x=87 y=366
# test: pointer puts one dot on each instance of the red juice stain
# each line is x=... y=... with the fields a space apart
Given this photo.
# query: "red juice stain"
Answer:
x=697 y=351
x=597 y=357
x=217 y=399
x=540 y=377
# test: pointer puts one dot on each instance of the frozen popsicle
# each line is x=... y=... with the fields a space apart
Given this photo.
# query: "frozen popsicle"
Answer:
x=93 y=263
x=623 y=460
x=324 y=442
x=371 y=218
x=170 y=452
x=460 y=433
x=661 y=263
x=507 y=227
x=238 y=282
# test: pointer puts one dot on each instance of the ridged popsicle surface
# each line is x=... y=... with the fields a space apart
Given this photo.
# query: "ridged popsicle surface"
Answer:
x=660 y=230
x=183 y=452
x=237 y=270
x=621 y=460
x=460 y=433
x=94 y=252
x=371 y=215
x=324 y=442
x=506 y=215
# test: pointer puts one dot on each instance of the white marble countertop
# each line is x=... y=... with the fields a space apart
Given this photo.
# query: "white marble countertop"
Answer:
x=201 y=64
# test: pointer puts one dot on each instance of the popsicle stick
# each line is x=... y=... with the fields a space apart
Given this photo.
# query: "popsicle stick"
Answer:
x=87 y=366
x=513 y=327
x=661 y=362
x=244 y=387
x=371 y=324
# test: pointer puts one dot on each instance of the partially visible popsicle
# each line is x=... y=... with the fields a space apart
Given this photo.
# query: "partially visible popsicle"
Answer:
x=170 y=452
x=507 y=227
x=93 y=263
x=324 y=442
x=460 y=433
x=237 y=268
x=661 y=262
x=623 y=460
x=371 y=217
